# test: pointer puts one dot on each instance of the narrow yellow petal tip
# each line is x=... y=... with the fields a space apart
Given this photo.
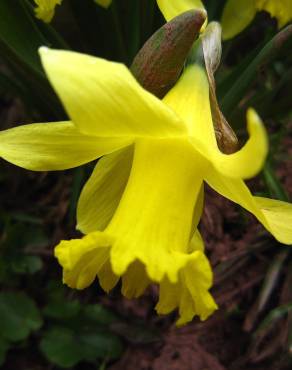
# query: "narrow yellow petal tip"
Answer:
x=253 y=118
x=249 y=160
x=43 y=49
x=45 y=9
x=256 y=130
x=104 y=3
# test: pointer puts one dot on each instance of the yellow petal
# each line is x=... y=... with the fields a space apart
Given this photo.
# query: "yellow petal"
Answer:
x=53 y=146
x=104 y=3
x=189 y=98
x=169 y=297
x=173 y=8
x=45 y=9
x=249 y=160
x=101 y=194
x=104 y=99
x=135 y=280
x=107 y=279
x=191 y=293
x=280 y=9
x=237 y=15
x=275 y=215
x=81 y=259
x=279 y=218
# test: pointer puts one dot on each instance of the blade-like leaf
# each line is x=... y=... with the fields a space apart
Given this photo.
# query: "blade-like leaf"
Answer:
x=240 y=85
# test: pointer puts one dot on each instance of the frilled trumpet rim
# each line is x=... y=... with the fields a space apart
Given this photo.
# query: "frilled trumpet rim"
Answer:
x=149 y=238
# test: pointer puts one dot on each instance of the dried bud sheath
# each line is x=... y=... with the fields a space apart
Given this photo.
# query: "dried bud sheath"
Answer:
x=159 y=63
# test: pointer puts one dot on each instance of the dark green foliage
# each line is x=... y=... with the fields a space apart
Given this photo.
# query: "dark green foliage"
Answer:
x=79 y=333
x=39 y=317
x=19 y=316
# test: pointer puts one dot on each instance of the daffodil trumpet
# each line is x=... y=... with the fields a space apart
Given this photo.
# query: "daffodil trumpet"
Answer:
x=140 y=208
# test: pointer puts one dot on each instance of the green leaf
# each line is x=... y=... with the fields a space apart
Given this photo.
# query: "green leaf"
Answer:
x=55 y=291
x=274 y=186
x=27 y=264
x=100 y=345
x=20 y=39
x=20 y=34
x=66 y=347
x=63 y=309
x=99 y=314
x=61 y=347
x=4 y=347
x=240 y=85
x=19 y=316
x=273 y=316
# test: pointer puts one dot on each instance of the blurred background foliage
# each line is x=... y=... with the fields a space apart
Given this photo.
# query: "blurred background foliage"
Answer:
x=66 y=328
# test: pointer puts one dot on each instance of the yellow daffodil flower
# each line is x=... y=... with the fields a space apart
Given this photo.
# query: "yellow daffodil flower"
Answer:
x=140 y=208
x=170 y=9
x=238 y=14
x=45 y=9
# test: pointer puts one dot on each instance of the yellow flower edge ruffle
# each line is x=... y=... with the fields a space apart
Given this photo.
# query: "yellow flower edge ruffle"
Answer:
x=85 y=259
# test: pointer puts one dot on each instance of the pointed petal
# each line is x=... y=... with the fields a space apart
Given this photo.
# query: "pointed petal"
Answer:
x=104 y=99
x=237 y=15
x=171 y=9
x=45 y=9
x=189 y=98
x=102 y=193
x=104 y=3
x=279 y=217
x=249 y=160
x=53 y=146
x=273 y=214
